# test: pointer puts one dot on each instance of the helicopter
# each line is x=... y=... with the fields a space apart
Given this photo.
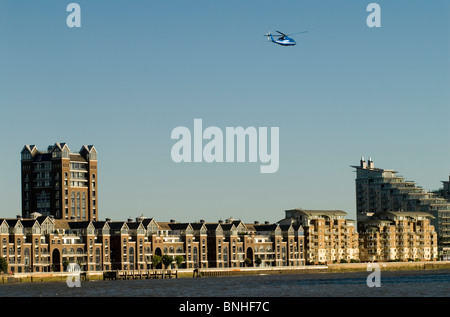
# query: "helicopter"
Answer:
x=283 y=39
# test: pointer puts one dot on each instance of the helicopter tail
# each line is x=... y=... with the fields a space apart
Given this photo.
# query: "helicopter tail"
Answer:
x=270 y=37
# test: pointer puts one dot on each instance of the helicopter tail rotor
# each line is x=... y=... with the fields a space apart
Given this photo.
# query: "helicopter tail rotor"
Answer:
x=269 y=37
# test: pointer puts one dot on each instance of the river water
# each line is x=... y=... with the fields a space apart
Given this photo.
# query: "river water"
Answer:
x=432 y=283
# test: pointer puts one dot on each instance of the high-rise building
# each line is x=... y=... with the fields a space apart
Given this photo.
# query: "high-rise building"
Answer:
x=382 y=190
x=60 y=183
x=445 y=191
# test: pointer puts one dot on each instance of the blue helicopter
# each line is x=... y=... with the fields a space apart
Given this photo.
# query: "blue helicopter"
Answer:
x=282 y=39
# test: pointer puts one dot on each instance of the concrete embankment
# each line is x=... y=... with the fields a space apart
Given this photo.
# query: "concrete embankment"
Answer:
x=189 y=273
x=47 y=277
x=389 y=266
x=260 y=270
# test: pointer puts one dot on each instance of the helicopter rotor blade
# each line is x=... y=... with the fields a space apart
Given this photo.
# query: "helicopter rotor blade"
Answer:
x=298 y=32
x=281 y=33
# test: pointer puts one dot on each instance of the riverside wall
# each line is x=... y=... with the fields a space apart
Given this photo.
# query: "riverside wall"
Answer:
x=209 y=272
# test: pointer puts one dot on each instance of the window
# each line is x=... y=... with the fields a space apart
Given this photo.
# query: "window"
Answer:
x=83 y=205
x=78 y=205
x=73 y=203
x=65 y=153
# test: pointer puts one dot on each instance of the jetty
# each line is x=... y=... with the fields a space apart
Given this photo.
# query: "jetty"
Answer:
x=139 y=274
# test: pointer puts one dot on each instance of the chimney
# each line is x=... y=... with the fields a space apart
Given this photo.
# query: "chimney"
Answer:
x=35 y=215
x=362 y=162
x=202 y=220
x=371 y=165
x=266 y=222
x=256 y=222
x=108 y=219
x=173 y=221
x=19 y=217
x=140 y=218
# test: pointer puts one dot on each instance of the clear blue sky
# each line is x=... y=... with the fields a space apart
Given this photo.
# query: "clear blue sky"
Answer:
x=137 y=69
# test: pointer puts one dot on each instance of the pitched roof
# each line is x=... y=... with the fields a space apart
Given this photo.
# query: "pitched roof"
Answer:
x=213 y=226
x=79 y=224
x=164 y=226
x=61 y=224
x=28 y=223
x=198 y=225
x=12 y=222
x=264 y=227
x=75 y=157
x=179 y=226
x=115 y=225
x=135 y=225
x=146 y=221
x=100 y=224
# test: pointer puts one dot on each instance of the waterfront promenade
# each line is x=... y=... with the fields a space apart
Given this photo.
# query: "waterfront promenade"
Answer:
x=208 y=272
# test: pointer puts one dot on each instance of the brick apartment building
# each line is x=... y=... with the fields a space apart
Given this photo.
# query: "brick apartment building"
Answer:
x=59 y=182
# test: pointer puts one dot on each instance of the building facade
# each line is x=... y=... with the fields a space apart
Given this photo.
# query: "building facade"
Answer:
x=329 y=237
x=381 y=190
x=60 y=183
x=398 y=236
x=45 y=244
x=445 y=191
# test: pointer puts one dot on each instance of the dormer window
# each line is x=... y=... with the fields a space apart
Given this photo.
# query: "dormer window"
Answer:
x=26 y=155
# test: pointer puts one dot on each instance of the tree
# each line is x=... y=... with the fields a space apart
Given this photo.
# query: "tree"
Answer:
x=179 y=259
x=167 y=260
x=65 y=265
x=156 y=259
x=3 y=265
x=247 y=262
x=258 y=261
